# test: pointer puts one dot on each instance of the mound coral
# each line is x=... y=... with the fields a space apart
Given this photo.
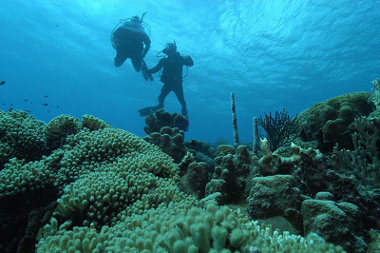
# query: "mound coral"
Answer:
x=162 y=118
x=329 y=121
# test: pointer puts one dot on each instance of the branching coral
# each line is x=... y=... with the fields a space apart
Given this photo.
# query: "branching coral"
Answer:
x=277 y=128
x=363 y=160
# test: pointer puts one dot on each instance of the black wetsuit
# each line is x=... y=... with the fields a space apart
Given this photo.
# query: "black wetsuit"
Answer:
x=129 y=43
x=172 y=77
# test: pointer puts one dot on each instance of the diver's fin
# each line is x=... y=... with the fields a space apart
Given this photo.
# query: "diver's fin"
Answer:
x=146 y=111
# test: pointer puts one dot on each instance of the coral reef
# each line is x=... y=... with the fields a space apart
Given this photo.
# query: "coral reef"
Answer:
x=310 y=177
x=277 y=195
x=202 y=153
x=329 y=121
x=161 y=118
x=93 y=123
x=116 y=192
x=234 y=120
x=167 y=132
x=178 y=227
x=169 y=140
x=194 y=181
x=272 y=162
x=36 y=219
x=335 y=222
x=375 y=97
x=232 y=168
x=21 y=136
x=278 y=128
x=363 y=160
x=59 y=128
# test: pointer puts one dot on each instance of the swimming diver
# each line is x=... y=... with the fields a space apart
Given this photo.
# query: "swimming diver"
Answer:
x=131 y=41
x=171 y=76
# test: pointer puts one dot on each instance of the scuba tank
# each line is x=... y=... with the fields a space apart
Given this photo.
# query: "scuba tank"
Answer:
x=123 y=21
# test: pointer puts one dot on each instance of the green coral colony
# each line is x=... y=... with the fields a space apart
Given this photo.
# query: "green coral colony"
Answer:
x=84 y=186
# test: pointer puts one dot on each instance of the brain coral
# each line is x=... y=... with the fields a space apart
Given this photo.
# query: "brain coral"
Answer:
x=118 y=193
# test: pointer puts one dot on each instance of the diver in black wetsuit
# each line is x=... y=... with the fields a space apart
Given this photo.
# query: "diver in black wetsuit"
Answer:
x=131 y=41
x=171 y=77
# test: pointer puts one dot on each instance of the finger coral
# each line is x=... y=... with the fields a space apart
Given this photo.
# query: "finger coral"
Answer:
x=21 y=136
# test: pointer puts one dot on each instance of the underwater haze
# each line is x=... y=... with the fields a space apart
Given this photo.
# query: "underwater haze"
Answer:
x=56 y=58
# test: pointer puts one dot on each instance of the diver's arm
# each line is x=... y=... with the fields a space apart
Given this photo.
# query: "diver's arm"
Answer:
x=147 y=45
x=187 y=60
x=157 y=68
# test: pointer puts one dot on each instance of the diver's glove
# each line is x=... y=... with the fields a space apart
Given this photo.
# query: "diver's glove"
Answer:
x=146 y=74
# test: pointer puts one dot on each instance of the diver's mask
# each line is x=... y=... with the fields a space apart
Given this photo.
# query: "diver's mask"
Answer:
x=170 y=49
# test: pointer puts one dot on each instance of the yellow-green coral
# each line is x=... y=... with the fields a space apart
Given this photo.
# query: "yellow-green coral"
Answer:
x=21 y=136
x=17 y=177
x=59 y=128
x=179 y=227
x=93 y=123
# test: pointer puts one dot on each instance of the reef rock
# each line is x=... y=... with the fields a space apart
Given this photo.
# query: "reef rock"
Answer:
x=338 y=223
x=276 y=196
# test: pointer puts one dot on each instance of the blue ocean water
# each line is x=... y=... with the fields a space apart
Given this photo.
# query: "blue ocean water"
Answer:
x=56 y=58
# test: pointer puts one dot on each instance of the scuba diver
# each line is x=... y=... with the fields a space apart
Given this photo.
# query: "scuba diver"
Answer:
x=171 y=76
x=131 y=41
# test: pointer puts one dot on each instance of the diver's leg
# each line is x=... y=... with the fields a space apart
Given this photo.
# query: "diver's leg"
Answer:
x=137 y=63
x=178 y=90
x=165 y=90
x=119 y=59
